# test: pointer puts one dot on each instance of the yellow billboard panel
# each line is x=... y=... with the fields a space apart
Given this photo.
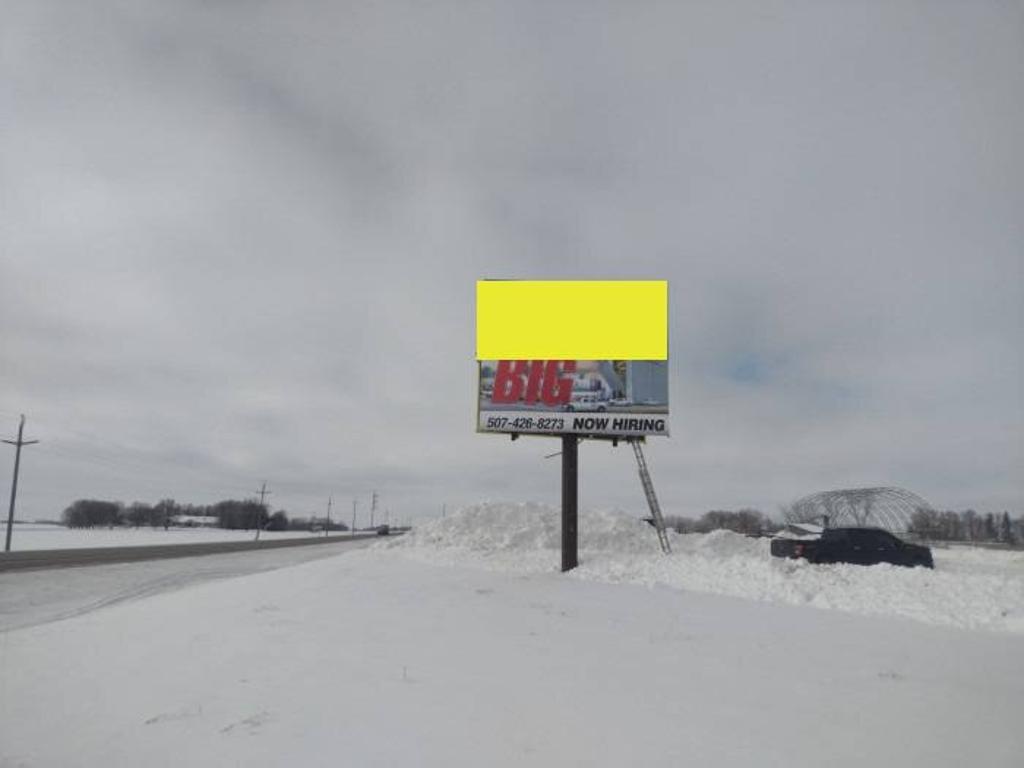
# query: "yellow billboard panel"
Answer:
x=572 y=319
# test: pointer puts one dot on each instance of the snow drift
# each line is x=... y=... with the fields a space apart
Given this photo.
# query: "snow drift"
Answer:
x=528 y=527
x=967 y=589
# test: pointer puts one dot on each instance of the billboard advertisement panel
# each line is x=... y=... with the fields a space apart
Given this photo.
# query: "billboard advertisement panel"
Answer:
x=602 y=398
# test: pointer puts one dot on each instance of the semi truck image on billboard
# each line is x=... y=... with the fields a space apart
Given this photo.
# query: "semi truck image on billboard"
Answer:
x=612 y=398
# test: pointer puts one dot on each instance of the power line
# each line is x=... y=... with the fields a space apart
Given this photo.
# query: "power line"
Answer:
x=152 y=478
x=14 y=484
x=151 y=466
x=159 y=484
x=78 y=445
x=155 y=474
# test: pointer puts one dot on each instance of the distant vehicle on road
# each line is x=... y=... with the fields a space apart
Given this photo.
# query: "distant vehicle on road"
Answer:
x=383 y=530
x=860 y=546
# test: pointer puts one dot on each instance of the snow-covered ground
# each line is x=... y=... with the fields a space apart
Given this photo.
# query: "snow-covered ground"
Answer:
x=462 y=645
x=27 y=536
x=968 y=588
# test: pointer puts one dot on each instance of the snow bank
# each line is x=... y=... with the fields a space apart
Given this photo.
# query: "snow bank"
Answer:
x=963 y=599
x=528 y=527
x=523 y=538
x=968 y=589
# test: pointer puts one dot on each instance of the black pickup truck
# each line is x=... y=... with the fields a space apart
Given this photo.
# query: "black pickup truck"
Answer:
x=861 y=546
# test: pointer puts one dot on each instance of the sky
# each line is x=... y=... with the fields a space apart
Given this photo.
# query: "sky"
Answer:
x=239 y=243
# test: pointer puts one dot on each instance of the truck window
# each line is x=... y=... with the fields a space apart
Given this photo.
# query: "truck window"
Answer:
x=863 y=538
x=873 y=539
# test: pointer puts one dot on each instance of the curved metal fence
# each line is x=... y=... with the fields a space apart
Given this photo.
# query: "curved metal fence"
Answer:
x=888 y=508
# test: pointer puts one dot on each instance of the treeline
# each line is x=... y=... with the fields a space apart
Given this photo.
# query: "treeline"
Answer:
x=741 y=521
x=931 y=524
x=967 y=525
x=231 y=513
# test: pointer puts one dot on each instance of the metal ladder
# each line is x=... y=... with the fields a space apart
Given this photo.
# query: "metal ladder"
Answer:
x=652 y=499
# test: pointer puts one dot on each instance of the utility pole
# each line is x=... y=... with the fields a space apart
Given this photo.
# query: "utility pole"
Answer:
x=327 y=528
x=14 y=484
x=263 y=493
x=354 y=502
x=373 y=507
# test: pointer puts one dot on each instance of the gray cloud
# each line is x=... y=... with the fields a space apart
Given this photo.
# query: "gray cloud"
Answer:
x=240 y=240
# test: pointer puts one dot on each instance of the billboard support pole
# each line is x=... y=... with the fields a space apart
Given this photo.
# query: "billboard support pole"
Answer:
x=570 y=487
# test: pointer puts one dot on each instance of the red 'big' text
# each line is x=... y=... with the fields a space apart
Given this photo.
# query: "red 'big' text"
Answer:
x=533 y=380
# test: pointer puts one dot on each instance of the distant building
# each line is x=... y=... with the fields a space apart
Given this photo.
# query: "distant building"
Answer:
x=647 y=381
x=195 y=521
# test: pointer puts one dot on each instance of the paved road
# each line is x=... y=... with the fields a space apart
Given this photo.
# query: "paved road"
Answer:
x=42 y=595
x=61 y=558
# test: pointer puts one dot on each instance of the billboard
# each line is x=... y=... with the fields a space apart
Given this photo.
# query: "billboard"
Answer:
x=600 y=398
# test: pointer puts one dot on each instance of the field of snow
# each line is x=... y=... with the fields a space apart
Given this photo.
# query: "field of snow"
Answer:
x=462 y=645
x=968 y=588
x=47 y=536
